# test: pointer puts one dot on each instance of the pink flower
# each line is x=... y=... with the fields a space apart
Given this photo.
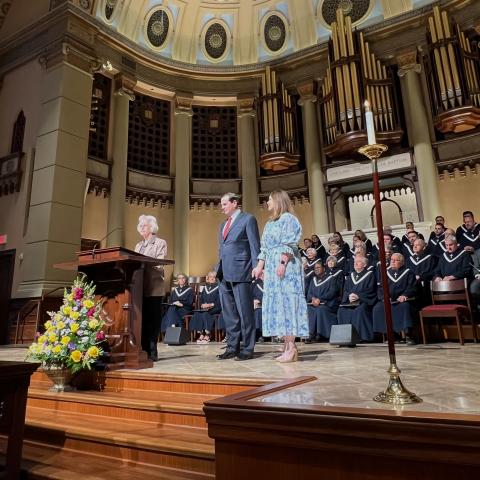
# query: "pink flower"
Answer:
x=100 y=336
x=78 y=293
x=91 y=312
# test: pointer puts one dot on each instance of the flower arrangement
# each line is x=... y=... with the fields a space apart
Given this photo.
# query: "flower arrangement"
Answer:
x=73 y=335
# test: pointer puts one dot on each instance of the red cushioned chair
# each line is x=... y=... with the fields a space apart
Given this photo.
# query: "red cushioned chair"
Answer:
x=449 y=291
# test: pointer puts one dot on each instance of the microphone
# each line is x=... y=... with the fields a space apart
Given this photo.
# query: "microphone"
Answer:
x=101 y=240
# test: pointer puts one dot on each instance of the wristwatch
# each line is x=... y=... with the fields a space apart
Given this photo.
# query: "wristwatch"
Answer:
x=283 y=262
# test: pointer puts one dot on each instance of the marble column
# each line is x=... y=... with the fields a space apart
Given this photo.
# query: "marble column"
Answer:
x=248 y=154
x=59 y=174
x=183 y=156
x=419 y=136
x=122 y=97
x=311 y=134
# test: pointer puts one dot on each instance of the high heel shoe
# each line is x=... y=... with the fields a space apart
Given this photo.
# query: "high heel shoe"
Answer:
x=289 y=355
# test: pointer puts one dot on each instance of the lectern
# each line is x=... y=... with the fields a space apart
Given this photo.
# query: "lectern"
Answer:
x=118 y=275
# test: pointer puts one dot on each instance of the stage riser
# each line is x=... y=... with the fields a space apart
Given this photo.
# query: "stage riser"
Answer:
x=130 y=453
x=187 y=419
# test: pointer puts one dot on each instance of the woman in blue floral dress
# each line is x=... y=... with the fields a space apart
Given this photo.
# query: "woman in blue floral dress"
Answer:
x=284 y=308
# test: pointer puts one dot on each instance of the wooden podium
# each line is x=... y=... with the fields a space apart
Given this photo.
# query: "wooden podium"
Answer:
x=118 y=275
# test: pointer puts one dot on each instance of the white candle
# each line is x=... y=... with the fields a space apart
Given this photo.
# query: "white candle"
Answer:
x=370 y=125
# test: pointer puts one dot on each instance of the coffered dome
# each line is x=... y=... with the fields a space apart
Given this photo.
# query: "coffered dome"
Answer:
x=236 y=32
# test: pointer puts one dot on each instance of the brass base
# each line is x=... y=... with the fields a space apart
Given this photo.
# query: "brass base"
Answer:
x=373 y=151
x=396 y=393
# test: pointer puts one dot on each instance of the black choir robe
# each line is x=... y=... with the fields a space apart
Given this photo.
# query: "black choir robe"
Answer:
x=360 y=313
x=321 y=252
x=400 y=282
x=468 y=238
x=328 y=290
x=342 y=262
x=376 y=251
x=436 y=245
x=308 y=272
x=378 y=271
x=457 y=263
x=405 y=238
x=351 y=261
x=424 y=266
x=206 y=320
x=257 y=286
x=338 y=275
x=174 y=314
x=345 y=249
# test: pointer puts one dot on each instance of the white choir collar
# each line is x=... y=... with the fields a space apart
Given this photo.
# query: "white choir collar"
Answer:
x=179 y=294
x=365 y=275
x=393 y=279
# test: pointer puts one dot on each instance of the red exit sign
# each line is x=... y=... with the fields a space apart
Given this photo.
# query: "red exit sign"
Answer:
x=3 y=239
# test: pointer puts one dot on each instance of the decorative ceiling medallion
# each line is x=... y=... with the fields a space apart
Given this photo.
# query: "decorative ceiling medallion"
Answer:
x=215 y=41
x=275 y=33
x=355 y=9
x=158 y=27
x=109 y=8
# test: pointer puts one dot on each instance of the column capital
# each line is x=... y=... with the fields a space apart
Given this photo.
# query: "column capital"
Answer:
x=408 y=61
x=306 y=90
x=124 y=85
x=67 y=53
x=245 y=106
x=183 y=103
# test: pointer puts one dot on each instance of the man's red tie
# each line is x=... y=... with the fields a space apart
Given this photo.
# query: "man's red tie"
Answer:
x=227 y=227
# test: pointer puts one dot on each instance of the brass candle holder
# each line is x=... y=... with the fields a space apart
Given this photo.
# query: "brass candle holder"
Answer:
x=395 y=393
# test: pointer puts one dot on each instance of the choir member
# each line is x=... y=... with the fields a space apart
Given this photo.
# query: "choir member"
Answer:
x=360 y=249
x=362 y=237
x=308 y=266
x=409 y=227
x=337 y=236
x=388 y=242
x=332 y=270
x=396 y=242
x=257 y=286
x=203 y=321
x=307 y=243
x=342 y=261
x=441 y=248
x=359 y=296
x=317 y=245
x=475 y=285
x=180 y=304
x=351 y=251
x=408 y=246
x=468 y=234
x=402 y=286
x=455 y=263
x=323 y=300
x=436 y=236
x=388 y=255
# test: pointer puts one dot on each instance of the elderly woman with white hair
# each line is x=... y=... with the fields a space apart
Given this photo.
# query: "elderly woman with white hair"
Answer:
x=153 y=283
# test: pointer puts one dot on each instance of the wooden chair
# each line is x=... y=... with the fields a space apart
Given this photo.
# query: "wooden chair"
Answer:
x=449 y=291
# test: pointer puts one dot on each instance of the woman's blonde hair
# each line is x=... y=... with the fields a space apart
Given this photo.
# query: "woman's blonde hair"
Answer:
x=281 y=204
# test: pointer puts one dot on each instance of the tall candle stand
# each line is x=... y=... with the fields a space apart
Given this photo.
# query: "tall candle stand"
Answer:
x=395 y=393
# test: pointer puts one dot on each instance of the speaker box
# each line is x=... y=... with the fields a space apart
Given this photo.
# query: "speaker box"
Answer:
x=344 y=335
x=176 y=336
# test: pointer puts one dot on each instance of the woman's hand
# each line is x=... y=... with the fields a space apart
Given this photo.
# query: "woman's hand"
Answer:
x=281 y=270
x=257 y=271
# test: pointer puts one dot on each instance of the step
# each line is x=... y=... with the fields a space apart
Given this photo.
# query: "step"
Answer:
x=172 y=446
x=42 y=462
x=145 y=405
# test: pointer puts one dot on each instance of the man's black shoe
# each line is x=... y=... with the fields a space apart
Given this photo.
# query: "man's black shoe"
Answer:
x=244 y=356
x=410 y=341
x=310 y=339
x=226 y=355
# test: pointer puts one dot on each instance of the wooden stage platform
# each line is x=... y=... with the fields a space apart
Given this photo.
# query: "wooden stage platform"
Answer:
x=194 y=417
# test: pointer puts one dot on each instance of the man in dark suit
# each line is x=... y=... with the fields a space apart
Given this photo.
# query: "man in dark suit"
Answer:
x=239 y=246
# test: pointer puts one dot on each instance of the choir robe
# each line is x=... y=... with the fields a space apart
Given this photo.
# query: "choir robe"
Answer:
x=397 y=243
x=206 y=320
x=376 y=251
x=321 y=252
x=424 y=266
x=345 y=249
x=308 y=272
x=338 y=275
x=360 y=316
x=174 y=314
x=468 y=238
x=378 y=272
x=368 y=244
x=406 y=240
x=321 y=318
x=342 y=262
x=257 y=286
x=400 y=282
x=436 y=245
x=458 y=264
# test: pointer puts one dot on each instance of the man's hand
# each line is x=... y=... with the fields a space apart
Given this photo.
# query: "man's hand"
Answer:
x=402 y=298
x=353 y=297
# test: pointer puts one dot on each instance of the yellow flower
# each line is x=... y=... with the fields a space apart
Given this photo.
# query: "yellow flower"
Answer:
x=65 y=340
x=52 y=338
x=74 y=315
x=34 y=348
x=76 y=356
x=69 y=297
x=93 y=323
x=42 y=339
x=93 y=352
x=57 y=349
x=67 y=310
x=57 y=317
x=60 y=325
x=48 y=324
x=74 y=327
x=88 y=303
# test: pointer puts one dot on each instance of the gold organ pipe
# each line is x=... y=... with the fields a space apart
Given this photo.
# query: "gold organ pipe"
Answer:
x=472 y=78
x=389 y=101
x=377 y=96
x=265 y=112
x=451 y=58
x=271 y=137
x=444 y=57
x=353 y=73
x=438 y=64
x=276 y=125
x=382 y=89
x=372 y=91
x=345 y=70
x=339 y=78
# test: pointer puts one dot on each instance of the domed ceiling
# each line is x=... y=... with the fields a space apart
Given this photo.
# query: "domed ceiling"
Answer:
x=237 y=32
